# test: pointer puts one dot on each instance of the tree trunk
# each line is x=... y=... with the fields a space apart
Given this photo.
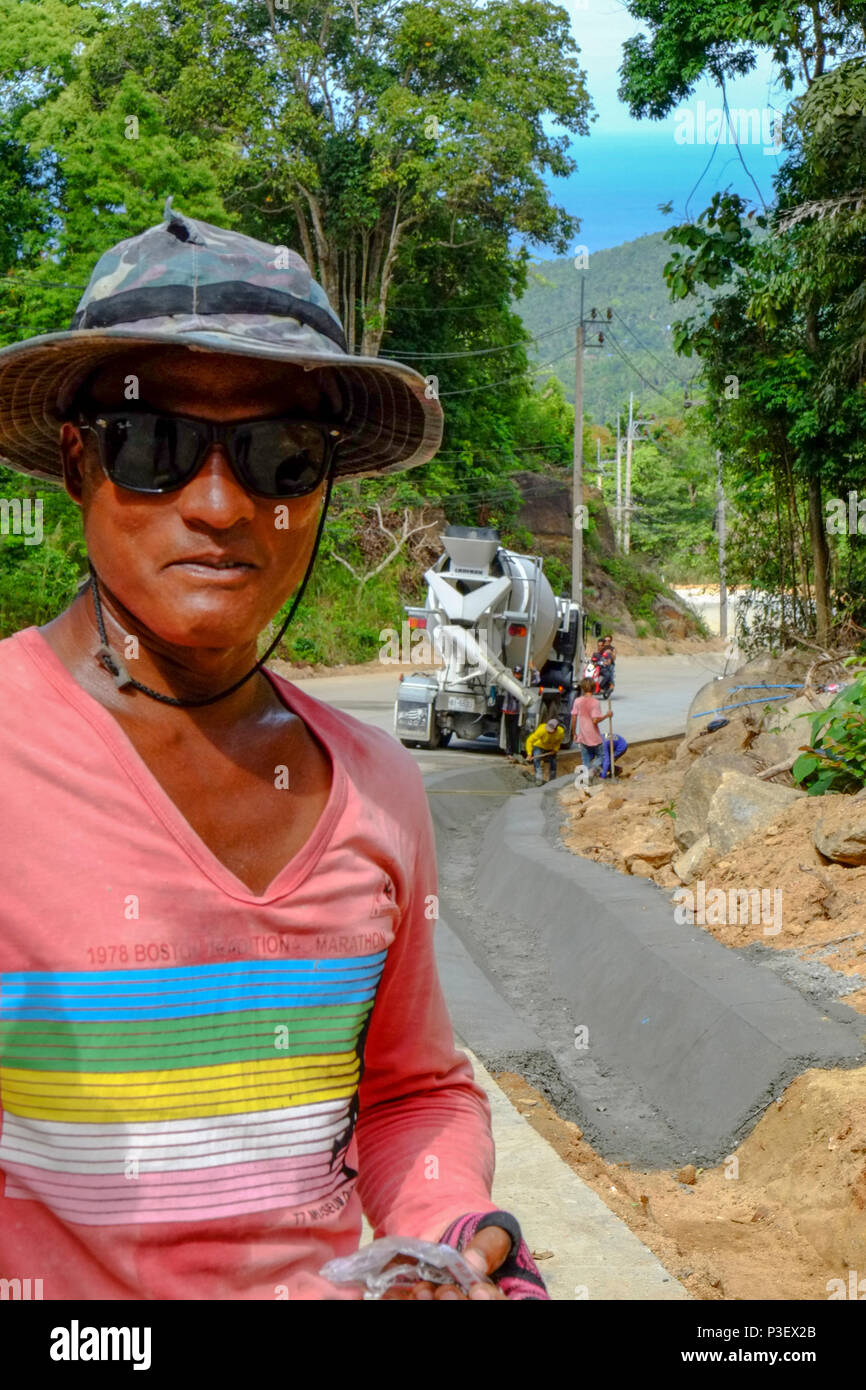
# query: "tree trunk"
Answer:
x=327 y=262
x=352 y=313
x=817 y=532
x=373 y=335
x=309 y=254
x=821 y=557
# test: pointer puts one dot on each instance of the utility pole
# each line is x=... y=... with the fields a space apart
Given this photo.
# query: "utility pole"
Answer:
x=578 y=510
x=577 y=481
x=598 y=463
x=618 y=485
x=629 y=451
x=723 y=587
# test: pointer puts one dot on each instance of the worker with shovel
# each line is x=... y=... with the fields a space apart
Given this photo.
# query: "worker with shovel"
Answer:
x=543 y=745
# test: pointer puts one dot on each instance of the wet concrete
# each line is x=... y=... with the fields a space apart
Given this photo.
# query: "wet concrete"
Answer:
x=685 y=1041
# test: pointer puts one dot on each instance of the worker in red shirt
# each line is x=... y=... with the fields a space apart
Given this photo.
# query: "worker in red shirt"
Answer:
x=586 y=715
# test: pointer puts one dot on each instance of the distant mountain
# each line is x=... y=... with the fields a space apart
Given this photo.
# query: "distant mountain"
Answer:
x=629 y=280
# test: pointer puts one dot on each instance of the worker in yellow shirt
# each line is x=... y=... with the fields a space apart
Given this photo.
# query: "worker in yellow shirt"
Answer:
x=544 y=744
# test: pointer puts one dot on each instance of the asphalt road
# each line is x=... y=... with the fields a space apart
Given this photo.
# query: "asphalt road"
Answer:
x=652 y=697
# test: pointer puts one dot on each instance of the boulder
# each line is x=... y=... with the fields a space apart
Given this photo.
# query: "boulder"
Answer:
x=694 y=863
x=655 y=852
x=546 y=504
x=840 y=834
x=675 y=618
x=784 y=731
x=789 y=665
x=742 y=804
x=699 y=786
x=735 y=737
x=665 y=877
x=725 y=696
x=640 y=868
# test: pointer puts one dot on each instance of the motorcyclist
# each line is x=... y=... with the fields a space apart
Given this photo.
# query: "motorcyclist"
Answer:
x=606 y=666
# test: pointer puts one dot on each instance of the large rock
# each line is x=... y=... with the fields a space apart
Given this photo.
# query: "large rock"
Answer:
x=699 y=786
x=712 y=701
x=736 y=737
x=546 y=506
x=675 y=618
x=654 y=852
x=694 y=863
x=840 y=834
x=748 y=690
x=784 y=731
x=742 y=804
x=789 y=665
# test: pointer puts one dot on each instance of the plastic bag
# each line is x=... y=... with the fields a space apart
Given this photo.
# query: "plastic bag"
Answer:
x=436 y=1264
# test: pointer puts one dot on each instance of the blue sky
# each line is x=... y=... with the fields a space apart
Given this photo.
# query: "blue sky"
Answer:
x=627 y=167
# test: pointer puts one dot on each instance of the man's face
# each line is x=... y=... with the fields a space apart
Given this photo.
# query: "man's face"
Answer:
x=157 y=554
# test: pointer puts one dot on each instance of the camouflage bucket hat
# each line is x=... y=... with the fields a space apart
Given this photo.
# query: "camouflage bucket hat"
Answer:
x=186 y=283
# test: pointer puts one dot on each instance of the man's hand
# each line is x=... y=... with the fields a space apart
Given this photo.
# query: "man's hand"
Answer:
x=485 y=1252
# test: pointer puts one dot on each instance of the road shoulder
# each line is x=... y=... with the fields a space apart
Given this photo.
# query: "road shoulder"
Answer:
x=593 y=1255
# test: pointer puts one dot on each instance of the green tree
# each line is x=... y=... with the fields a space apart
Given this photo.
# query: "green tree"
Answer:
x=788 y=327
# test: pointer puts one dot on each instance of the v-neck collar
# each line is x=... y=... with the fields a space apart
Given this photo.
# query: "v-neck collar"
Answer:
x=289 y=877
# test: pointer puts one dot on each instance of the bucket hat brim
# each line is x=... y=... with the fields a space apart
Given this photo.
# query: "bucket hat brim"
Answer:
x=389 y=421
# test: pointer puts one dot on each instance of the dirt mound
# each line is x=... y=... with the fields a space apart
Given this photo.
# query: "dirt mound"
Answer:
x=781 y=1218
x=821 y=904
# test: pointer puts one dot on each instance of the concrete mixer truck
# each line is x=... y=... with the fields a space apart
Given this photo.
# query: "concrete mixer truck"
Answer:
x=487 y=611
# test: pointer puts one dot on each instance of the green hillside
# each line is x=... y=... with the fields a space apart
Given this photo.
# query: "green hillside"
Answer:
x=629 y=280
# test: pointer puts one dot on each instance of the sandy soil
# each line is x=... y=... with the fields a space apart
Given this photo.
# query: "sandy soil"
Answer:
x=779 y=1219
x=629 y=825
x=784 y=1214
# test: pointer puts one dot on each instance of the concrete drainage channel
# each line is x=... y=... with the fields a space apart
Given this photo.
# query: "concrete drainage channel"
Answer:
x=686 y=1040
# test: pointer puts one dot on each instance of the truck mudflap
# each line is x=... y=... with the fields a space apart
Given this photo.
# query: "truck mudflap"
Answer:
x=414 y=712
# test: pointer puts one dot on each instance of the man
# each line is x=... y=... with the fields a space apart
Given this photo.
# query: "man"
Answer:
x=543 y=744
x=511 y=718
x=586 y=716
x=223 y=1035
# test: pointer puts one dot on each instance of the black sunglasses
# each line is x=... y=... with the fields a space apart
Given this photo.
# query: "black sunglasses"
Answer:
x=153 y=453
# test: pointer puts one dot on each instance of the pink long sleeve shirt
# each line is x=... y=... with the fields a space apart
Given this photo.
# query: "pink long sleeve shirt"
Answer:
x=201 y=1088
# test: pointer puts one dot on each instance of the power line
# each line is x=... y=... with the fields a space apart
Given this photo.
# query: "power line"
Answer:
x=702 y=173
x=500 y=493
x=457 y=309
x=625 y=357
x=665 y=367
x=13 y=281
x=505 y=381
x=454 y=456
x=737 y=142
x=481 y=352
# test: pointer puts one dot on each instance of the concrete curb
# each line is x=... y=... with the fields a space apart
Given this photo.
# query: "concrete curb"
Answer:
x=708 y=1037
x=594 y=1254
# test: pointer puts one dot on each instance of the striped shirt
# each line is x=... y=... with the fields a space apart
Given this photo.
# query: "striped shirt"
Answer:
x=201 y=1087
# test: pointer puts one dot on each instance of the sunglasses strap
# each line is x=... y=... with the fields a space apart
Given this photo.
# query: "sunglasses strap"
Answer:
x=115 y=667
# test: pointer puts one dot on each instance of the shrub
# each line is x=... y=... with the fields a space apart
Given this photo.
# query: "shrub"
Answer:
x=836 y=760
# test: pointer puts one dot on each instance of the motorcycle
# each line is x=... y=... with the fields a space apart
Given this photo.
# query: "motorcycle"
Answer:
x=601 y=673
